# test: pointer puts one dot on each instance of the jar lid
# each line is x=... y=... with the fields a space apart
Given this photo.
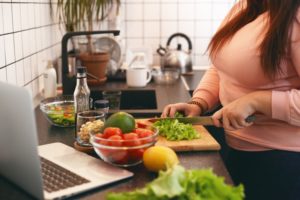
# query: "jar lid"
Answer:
x=103 y=103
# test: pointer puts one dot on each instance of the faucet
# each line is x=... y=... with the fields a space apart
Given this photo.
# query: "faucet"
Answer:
x=68 y=82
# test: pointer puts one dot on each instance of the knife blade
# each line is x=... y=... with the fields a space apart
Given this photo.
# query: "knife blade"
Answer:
x=203 y=120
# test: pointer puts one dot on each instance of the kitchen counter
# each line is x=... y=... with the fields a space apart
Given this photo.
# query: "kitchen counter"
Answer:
x=165 y=95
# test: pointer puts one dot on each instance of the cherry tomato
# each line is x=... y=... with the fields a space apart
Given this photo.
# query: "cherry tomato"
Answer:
x=117 y=156
x=144 y=133
x=141 y=124
x=115 y=140
x=110 y=131
x=131 y=139
x=98 y=137
x=135 y=155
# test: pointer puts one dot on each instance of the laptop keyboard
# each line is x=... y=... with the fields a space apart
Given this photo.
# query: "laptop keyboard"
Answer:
x=57 y=178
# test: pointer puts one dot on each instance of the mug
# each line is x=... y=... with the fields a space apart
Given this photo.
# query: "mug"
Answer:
x=138 y=77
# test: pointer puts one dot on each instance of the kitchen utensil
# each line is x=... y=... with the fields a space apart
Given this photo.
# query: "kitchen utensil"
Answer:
x=165 y=76
x=122 y=153
x=177 y=58
x=205 y=143
x=204 y=120
x=59 y=110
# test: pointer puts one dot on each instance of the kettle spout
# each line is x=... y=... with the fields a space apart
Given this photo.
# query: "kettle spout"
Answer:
x=161 y=51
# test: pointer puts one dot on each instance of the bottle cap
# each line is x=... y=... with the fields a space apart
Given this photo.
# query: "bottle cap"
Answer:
x=81 y=69
x=103 y=103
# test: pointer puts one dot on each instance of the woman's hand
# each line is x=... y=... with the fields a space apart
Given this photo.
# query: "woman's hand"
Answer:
x=233 y=115
x=187 y=109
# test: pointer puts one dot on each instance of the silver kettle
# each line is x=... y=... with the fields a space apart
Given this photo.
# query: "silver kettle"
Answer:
x=176 y=58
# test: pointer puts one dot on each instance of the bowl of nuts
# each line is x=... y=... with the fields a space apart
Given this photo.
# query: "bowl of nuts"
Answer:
x=88 y=121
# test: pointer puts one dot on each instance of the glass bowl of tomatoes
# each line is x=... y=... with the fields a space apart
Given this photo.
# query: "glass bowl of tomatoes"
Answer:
x=123 y=149
x=59 y=110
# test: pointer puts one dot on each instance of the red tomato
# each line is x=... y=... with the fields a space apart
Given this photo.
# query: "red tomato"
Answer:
x=117 y=156
x=131 y=139
x=110 y=131
x=98 y=138
x=115 y=140
x=135 y=155
x=144 y=133
x=141 y=124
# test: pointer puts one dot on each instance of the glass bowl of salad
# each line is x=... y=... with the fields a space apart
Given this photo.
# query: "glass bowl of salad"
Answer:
x=59 y=110
x=123 y=149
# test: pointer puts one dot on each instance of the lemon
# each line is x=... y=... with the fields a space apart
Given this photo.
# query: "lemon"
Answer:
x=159 y=158
x=122 y=120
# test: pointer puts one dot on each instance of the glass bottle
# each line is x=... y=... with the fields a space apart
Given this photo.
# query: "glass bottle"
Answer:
x=82 y=91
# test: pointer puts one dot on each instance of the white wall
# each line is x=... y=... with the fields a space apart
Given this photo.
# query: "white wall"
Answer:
x=28 y=35
x=151 y=22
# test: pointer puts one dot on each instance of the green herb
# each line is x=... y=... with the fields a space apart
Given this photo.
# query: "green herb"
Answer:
x=173 y=130
x=179 y=184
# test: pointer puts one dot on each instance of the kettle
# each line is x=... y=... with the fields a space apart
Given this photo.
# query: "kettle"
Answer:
x=176 y=58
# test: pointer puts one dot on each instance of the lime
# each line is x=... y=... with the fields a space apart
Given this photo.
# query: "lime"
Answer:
x=159 y=158
x=122 y=120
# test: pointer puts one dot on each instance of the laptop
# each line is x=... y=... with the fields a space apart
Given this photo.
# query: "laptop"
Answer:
x=30 y=166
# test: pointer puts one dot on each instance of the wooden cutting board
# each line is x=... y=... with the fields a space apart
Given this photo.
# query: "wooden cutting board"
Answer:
x=205 y=143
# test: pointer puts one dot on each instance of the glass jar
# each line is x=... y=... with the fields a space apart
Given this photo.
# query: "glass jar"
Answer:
x=87 y=122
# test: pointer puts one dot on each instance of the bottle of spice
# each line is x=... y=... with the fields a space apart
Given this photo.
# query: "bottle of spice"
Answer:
x=102 y=105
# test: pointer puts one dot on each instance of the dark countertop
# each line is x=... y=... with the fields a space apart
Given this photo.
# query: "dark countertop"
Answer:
x=165 y=95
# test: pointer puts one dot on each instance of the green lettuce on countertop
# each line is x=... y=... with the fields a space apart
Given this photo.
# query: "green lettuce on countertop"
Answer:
x=179 y=184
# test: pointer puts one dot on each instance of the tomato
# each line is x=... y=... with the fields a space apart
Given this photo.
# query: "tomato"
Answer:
x=98 y=138
x=131 y=139
x=135 y=155
x=141 y=124
x=144 y=133
x=115 y=140
x=110 y=131
x=117 y=156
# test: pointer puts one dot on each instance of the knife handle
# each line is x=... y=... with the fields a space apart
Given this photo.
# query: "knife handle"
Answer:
x=249 y=119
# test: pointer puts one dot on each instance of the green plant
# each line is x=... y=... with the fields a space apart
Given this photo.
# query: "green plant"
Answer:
x=81 y=14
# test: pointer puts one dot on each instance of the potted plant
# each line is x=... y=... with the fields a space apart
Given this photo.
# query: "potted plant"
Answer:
x=77 y=15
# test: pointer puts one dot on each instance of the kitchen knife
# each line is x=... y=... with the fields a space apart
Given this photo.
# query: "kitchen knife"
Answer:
x=203 y=120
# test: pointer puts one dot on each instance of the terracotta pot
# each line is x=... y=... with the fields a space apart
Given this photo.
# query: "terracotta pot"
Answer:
x=95 y=63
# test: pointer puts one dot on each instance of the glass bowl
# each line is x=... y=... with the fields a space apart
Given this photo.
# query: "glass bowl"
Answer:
x=123 y=153
x=59 y=111
x=165 y=76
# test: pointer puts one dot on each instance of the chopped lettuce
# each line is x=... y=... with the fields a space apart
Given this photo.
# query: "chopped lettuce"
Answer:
x=179 y=184
x=174 y=130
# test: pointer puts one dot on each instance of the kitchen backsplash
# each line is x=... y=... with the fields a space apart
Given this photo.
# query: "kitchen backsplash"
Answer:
x=29 y=36
x=151 y=22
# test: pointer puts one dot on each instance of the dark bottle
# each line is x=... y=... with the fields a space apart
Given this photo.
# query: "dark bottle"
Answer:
x=82 y=91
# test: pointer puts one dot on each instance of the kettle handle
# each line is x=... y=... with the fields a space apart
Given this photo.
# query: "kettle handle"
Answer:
x=161 y=51
x=180 y=35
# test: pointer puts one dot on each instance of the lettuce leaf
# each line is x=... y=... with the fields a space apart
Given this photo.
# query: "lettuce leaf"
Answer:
x=179 y=184
x=174 y=130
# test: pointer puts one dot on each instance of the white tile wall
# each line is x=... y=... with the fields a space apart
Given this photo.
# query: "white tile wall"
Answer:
x=28 y=37
x=198 y=19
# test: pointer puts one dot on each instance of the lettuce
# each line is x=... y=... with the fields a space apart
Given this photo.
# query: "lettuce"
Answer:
x=173 y=130
x=179 y=184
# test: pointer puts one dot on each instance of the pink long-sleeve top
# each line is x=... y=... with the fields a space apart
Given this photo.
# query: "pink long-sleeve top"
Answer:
x=236 y=71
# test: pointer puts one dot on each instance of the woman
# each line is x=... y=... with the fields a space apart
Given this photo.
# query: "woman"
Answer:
x=255 y=70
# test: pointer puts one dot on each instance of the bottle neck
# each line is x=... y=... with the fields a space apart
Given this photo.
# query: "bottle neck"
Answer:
x=81 y=79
